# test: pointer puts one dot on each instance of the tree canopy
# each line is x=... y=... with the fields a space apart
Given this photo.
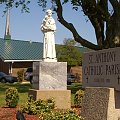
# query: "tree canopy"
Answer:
x=104 y=16
x=106 y=22
x=69 y=53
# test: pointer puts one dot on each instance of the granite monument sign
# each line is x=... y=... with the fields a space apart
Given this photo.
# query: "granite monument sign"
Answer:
x=102 y=68
x=101 y=79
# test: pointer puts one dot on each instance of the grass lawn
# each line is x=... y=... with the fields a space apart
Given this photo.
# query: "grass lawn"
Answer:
x=23 y=91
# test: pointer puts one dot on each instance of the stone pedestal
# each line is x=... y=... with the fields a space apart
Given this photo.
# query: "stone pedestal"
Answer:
x=50 y=75
x=100 y=103
x=50 y=81
x=62 y=97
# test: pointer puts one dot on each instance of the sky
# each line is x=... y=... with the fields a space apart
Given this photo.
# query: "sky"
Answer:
x=26 y=26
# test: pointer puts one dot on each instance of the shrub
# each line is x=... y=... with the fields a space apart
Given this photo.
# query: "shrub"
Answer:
x=34 y=107
x=12 y=97
x=20 y=75
x=60 y=115
x=78 y=97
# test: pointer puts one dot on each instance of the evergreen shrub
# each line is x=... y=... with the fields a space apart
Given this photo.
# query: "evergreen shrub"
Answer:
x=12 y=97
x=33 y=107
x=60 y=115
x=78 y=98
x=20 y=75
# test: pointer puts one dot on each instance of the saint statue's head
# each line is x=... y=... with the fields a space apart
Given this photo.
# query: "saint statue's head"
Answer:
x=49 y=12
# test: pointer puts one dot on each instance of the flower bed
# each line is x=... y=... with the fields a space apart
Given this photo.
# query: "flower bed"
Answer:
x=10 y=114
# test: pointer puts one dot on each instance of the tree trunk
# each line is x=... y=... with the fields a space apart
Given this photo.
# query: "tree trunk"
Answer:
x=113 y=30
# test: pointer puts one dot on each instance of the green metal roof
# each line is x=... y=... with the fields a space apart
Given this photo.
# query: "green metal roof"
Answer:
x=20 y=50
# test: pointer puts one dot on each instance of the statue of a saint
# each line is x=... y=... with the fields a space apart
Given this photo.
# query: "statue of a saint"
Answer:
x=48 y=28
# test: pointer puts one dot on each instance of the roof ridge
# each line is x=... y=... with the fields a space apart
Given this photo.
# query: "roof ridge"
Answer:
x=23 y=40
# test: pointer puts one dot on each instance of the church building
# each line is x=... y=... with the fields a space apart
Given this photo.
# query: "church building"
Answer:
x=17 y=54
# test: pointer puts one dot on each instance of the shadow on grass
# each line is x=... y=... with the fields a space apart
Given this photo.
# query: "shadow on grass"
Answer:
x=22 y=88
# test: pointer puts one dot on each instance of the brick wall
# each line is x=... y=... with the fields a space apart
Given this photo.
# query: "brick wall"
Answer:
x=4 y=67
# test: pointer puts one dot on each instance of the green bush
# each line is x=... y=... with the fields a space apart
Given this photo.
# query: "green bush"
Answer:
x=60 y=115
x=78 y=97
x=34 y=107
x=20 y=75
x=12 y=97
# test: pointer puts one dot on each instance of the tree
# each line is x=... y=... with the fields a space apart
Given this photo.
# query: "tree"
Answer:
x=69 y=53
x=106 y=22
x=100 y=17
x=16 y=3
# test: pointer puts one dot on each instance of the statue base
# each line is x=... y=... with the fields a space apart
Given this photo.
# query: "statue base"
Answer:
x=62 y=98
x=50 y=81
x=49 y=76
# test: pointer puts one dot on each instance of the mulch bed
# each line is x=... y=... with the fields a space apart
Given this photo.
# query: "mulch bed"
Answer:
x=10 y=113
